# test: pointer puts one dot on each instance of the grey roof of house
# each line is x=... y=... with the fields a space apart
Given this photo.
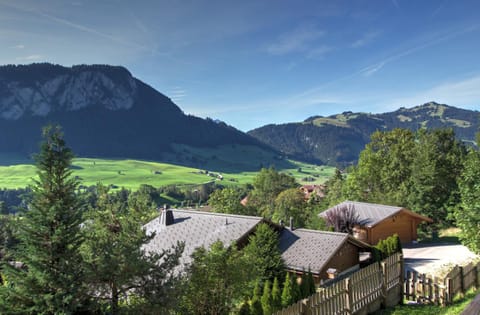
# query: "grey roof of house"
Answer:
x=304 y=249
x=369 y=214
x=198 y=229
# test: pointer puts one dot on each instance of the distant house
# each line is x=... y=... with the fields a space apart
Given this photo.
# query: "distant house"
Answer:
x=319 y=252
x=198 y=229
x=378 y=222
x=318 y=190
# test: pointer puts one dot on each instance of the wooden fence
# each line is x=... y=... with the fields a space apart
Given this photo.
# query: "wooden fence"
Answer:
x=384 y=284
x=362 y=292
x=441 y=291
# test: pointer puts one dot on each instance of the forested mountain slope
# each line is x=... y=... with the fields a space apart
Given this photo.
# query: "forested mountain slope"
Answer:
x=338 y=139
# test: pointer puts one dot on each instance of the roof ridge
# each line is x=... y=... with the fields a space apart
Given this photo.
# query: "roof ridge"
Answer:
x=372 y=204
x=320 y=232
x=218 y=214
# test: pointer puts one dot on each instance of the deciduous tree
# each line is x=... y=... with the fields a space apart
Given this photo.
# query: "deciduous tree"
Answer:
x=215 y=281
x=467 y=214
x=267 y=185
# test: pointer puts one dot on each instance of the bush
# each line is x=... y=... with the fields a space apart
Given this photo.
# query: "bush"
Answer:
x=387 y=247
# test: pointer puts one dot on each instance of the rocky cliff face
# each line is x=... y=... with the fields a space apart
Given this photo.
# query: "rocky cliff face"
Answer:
x=41 y=89
x=103 y=110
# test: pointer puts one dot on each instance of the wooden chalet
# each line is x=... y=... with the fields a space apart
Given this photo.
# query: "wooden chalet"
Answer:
x=325 y=254
x=378 y=222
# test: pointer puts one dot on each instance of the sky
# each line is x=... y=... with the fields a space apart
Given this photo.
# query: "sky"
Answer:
x=254 y=62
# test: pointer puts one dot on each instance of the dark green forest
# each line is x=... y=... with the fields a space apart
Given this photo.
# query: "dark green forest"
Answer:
x=337 y=140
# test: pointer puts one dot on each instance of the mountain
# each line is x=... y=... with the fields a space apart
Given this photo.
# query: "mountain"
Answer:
x=339 y=139
x=104 y=112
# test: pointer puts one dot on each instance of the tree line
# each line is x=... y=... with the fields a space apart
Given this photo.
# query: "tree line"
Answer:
x=428 y=171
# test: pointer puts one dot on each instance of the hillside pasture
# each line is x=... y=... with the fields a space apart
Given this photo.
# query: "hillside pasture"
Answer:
x=132 y=173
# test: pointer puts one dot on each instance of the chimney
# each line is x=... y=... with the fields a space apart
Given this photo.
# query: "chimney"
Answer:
x=291 y=223
x=332 y=273
x=166 y=216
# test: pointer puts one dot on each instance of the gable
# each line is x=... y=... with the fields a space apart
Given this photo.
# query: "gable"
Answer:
x=371 y=214
x=304 y=250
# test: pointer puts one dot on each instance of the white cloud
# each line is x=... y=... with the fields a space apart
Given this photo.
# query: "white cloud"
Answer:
x=30 y=58
x=465 y=93
x=368 y=71
x=177 y=94
x=20 y=46
x=319 y=52
x=298 y=40
x=365 y=39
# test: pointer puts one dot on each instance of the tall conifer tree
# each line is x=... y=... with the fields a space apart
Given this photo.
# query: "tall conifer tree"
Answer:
x=49 y=235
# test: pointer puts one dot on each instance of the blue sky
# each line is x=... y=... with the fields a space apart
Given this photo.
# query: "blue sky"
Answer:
x=253 y=62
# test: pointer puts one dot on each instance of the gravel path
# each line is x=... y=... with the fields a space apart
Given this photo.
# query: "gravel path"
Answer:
x=435 y=258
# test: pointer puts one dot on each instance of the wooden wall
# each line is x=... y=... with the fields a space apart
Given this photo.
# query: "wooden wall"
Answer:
x=402 y=224
x=346 y=257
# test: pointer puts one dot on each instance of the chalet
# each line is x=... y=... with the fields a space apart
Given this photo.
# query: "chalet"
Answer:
x=301 y=249
x=378 y=222
x=325 y=254
x=198 y=229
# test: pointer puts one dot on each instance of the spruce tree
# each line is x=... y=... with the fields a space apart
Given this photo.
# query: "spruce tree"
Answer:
x=263 y=251
x=276 y=295
x=267 y=299
x=49 y=235
x=288 y=292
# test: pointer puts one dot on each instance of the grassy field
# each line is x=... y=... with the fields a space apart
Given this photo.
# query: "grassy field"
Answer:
x=17 y=172
x=456 y=308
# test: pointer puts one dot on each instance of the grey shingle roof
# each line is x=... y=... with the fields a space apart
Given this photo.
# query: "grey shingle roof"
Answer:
x=369 y=214
x=197 y=229
x=304 y=249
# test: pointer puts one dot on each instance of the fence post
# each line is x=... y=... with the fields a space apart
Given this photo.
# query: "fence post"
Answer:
x=448 y=289
x=402 y=277
x=384 y=283
x=462 y=282
x=406 y=286
x=349 y=300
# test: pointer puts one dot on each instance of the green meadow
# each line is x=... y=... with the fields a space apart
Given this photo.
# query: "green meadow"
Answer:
x=17 y=172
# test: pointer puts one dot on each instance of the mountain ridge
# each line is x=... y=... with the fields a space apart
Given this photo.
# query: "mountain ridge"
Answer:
x=104 y=112
x=338 y=139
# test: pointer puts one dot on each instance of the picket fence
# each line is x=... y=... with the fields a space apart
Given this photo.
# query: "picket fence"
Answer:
x=423 y=288
x=384 y=284
x=361 y=293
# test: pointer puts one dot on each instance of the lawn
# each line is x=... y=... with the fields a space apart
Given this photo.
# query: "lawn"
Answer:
x=456 y=308
x=16 y=172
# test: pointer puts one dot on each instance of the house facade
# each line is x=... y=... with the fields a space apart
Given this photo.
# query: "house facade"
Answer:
x=377 y=222
x=306 y=250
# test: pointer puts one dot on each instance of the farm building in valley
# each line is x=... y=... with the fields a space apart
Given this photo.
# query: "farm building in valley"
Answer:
x=376 y=222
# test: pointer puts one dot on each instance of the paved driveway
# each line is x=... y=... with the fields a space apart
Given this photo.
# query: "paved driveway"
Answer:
x=431 y=258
